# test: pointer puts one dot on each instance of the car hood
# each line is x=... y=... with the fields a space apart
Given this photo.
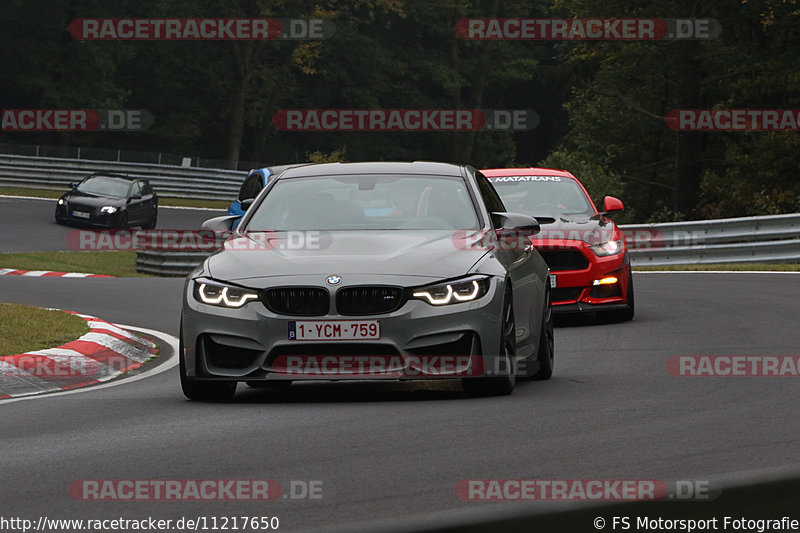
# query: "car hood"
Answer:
x=92 y=200
x=433 y=254
x=583 y=228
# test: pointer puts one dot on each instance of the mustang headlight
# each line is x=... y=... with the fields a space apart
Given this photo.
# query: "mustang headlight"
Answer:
x=453 y=292
x=216 y=293
x=607 y=248
x=110 y=209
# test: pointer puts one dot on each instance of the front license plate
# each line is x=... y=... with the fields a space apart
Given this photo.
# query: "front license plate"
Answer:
x=80 y=214
x=553 y=281
x=333 y=330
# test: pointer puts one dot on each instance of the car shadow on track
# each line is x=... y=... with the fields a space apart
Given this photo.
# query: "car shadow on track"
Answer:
x=361 y=391
x=586 y=319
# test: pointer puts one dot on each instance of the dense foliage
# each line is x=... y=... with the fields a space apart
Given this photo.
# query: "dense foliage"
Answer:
x=602 y=104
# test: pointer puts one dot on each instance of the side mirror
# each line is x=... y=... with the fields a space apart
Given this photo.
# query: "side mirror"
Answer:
x=223 y=223
x=246 y=203
x=516 y=221
x=72 y=185
x=135 y=197
x=612 y=205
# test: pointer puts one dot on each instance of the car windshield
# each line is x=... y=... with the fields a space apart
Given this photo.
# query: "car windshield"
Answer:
x=542 y=195
x=382 y=202
x=105 y=186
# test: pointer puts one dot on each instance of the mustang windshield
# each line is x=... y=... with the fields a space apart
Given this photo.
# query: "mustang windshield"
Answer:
x=542 y=195
x=384 y=202
x=105 y=186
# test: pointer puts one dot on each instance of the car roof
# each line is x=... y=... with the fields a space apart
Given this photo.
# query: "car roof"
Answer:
x=375 y=167
x=110 y=175
x=527 y=171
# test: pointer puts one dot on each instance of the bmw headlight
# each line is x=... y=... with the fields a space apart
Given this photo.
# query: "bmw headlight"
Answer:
x=607 y=248
x=61 y=201
x=216 y=293
x=453 y=292
x=108 y=209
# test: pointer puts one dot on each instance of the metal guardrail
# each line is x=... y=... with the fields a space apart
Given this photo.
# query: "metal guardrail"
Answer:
x=765 y=239
x=168 y=180
x=735 y=240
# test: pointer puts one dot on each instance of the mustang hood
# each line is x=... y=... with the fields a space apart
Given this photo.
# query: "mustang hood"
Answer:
x=423 y=253
x=589 y=230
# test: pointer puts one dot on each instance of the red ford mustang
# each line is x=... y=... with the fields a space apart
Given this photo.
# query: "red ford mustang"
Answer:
x=586 y=252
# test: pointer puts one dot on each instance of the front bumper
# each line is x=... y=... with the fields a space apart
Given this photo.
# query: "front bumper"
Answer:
x=65 y=213
x=575 y=292
x=417 y=341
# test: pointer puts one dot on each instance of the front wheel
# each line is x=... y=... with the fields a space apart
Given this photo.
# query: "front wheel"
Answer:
x=500 y=385
x=151 y=224
x=546 y=352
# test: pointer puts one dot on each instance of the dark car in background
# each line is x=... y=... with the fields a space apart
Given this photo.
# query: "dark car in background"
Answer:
x=109 y=200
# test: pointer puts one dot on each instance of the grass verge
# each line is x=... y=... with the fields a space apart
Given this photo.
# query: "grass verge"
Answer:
x=27 y=329
x=120 y=264
x=733 y=267
x=174 y=202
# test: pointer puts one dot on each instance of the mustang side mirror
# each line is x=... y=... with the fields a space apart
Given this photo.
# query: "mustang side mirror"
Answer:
x=612 y=205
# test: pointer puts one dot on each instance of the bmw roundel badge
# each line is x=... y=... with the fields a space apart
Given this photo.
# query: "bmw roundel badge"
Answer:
x=333 y=280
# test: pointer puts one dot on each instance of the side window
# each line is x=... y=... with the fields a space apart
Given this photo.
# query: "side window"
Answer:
x=147 y=190
x=137 y=189
x=490 y=196
x=250 y=188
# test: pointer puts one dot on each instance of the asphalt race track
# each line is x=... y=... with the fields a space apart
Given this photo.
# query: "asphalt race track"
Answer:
x=42 y=234
x=390 y=451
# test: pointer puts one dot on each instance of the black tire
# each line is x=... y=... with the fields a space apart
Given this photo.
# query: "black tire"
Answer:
x=546 y=352
x=204 y=391
x=277 y=385
x=500 y=385
x=626 y=315
x=151 y=224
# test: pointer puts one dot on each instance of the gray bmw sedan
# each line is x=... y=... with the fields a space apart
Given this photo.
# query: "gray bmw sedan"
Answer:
x=369 y=271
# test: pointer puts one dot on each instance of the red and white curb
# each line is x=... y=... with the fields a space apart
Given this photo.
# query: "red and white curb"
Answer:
x=48 y=274
x=100 y=355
